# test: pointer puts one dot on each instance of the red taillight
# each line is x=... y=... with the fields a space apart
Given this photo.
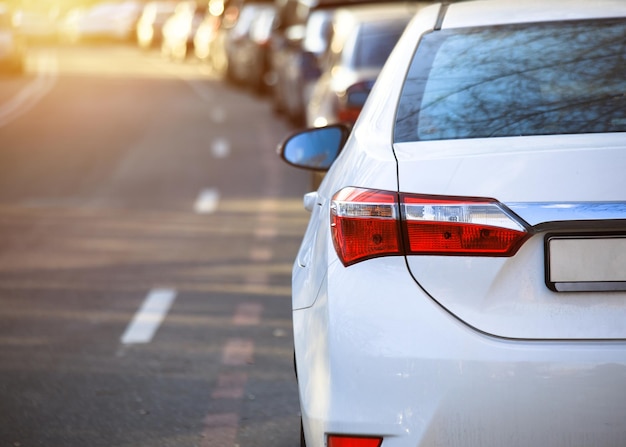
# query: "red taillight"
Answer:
x=348 y=114
x=365 y=224
x=353 y=441
x=352 y=100
x=372 y=223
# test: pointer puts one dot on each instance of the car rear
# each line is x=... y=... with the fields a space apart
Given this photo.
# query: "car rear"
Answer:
x=475 y=285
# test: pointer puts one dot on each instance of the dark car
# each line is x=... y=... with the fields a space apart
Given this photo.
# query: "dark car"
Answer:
x=300 y=38
x=244 y=42
x=254 y=51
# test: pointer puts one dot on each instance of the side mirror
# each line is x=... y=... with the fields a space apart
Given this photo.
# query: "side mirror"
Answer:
x=314 y=149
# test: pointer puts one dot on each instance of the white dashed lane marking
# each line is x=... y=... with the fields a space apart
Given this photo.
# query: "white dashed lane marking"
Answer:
x=207 y=201
x=149 y=317
x=220 y=148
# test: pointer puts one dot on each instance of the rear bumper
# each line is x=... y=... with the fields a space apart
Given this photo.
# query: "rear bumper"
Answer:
x=381 y=358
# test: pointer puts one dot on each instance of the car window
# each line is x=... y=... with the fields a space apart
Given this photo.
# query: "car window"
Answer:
x=375 y=42
x=533 y=79
x=318 y=31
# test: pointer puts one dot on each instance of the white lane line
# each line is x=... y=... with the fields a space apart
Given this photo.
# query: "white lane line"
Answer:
x=149 y=317
x=205 y=93
x=33 y=92
x=220 y=148
x=207 y=201
x=248 y=314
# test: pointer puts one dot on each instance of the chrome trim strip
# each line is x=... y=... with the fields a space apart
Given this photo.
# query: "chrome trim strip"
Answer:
x=544 y=212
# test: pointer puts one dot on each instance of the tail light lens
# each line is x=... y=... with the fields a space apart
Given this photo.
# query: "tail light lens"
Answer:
x=348 y=114
x=353 y=441
x=371 y=223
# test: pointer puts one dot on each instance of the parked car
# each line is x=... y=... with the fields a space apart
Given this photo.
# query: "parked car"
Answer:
x=12 y=45
x=300 y=38
x=363 y=37
x=296 y=51
x=108 y=21
x=239 y=46
x=37 y=25
x=151 y=22
x=180 y=28
x=250 y=61
x=212 y=36
x=462 y=280
x=205 y=36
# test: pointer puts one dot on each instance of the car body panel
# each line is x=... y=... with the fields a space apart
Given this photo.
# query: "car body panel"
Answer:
x=376 y=371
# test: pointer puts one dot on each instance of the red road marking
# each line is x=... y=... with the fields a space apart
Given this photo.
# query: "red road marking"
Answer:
x=247 y=314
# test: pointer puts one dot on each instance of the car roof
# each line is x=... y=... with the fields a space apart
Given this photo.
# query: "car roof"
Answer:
x=496 y=12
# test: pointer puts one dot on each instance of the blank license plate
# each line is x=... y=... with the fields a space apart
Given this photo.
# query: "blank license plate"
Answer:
x=589 y=263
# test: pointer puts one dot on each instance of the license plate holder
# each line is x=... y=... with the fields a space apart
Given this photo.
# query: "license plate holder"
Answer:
x=586 y=262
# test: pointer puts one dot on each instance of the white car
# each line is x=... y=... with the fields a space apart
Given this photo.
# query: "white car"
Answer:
x=462 y=280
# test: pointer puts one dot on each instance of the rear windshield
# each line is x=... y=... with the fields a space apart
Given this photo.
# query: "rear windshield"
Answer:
x=534 y=79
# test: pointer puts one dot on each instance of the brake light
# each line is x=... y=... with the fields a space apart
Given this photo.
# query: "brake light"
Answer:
x=353 y=441
x=352 y=100
x=347 y=114
x=372 y=223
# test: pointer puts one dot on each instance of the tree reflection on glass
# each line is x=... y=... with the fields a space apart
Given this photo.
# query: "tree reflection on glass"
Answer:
x=534 y=79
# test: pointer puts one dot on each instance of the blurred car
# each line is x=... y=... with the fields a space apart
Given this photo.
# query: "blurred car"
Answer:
x=285 y=50
x=207 y=34
x=12 y=45
x=244 y=44
x=462 y=279
x=106 y=21
x=298 y=41
x=37 y=25
x=362 y=39
x=151 y=21
x=180 y=28
x=299 y=66
x=212 y=36
x=257 y=54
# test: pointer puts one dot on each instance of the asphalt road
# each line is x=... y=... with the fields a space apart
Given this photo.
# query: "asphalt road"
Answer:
x=147 y=233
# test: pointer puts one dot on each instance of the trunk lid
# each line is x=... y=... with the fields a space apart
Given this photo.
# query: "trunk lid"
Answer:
x=568 y=280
